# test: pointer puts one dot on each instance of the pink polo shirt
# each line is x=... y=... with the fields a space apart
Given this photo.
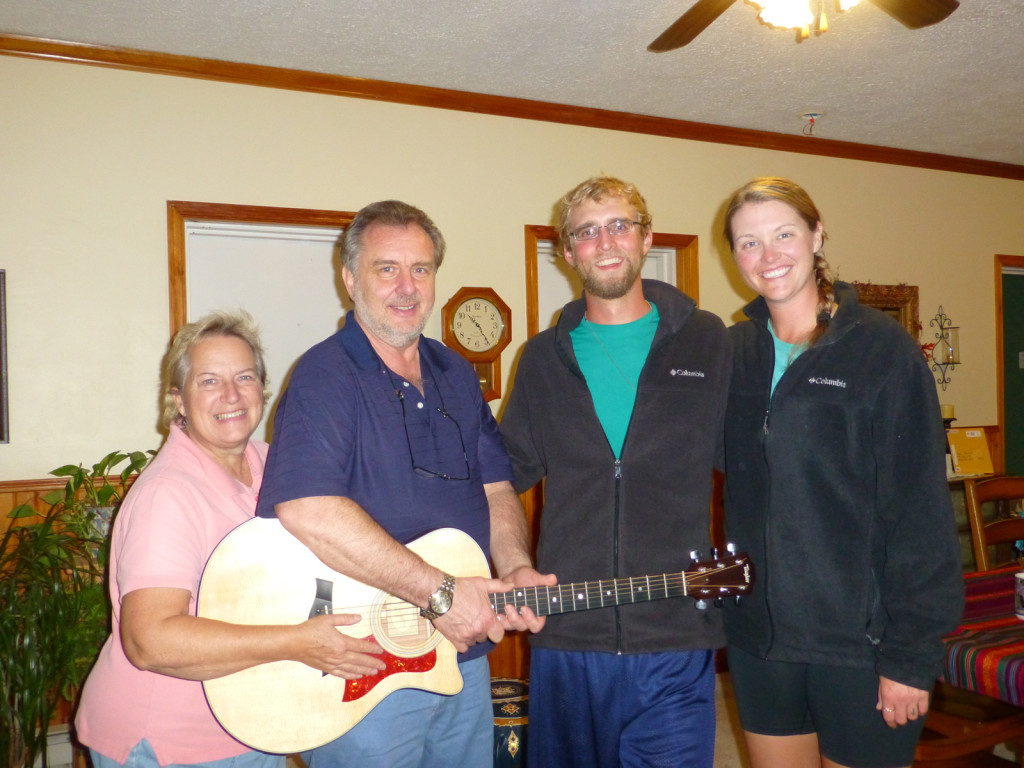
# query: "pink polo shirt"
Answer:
x=179 y=509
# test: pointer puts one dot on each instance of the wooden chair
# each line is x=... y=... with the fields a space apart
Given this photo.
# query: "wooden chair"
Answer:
x=963 y=727
x=1004 y=529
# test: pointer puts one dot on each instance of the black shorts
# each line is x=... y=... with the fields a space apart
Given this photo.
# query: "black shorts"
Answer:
x=778 y=698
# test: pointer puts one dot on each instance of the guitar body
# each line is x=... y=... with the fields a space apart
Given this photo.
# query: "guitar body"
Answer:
x=260 y=574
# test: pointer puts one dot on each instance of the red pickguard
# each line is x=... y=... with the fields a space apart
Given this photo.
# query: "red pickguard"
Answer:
x=356 y=689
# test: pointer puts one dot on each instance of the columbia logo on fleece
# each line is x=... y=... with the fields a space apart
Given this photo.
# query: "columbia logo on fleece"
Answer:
x=827 y=382
x=684 y=372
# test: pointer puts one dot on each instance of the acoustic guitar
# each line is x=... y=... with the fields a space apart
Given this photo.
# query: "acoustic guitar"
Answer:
x=261 y=574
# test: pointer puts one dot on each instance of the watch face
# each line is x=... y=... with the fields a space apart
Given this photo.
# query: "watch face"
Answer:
x=477 y=325
x=440 y=602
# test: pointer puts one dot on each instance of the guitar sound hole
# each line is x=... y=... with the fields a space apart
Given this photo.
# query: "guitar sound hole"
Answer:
x=400 y=629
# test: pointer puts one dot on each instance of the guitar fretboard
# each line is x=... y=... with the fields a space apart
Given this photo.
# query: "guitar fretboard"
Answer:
x=585 y=595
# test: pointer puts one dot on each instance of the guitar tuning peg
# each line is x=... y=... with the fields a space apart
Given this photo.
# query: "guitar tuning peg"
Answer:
x=714 y=553
x=694 y=555
x=718 y=602
x=701 y=605
x=738 y=599
x=730 y=548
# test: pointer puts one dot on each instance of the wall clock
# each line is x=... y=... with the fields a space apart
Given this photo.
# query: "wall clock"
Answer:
x=477 y=324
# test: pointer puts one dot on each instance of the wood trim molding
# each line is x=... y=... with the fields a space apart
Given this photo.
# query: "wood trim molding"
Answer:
x=16 y=492
x=13 y=493
x=687 y=262
x=180 y=211
x=40 y=485
x=534 y=234
x=502 y=106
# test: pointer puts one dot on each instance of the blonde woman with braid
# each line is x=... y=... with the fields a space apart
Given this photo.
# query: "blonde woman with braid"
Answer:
x=836 y=486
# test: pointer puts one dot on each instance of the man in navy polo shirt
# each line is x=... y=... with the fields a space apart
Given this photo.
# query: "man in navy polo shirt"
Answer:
x=383 y=436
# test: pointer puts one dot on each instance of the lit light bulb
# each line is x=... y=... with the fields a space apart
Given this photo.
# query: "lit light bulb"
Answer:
x=791 y=14
x=797 y=14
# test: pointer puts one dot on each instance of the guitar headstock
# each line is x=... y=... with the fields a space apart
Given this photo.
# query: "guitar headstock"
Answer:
x=729 y=576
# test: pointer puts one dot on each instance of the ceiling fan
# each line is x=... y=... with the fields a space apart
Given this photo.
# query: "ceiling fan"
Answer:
x=913 y=14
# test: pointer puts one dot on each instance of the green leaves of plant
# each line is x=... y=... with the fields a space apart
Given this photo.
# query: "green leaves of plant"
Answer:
x=92 y=486
x=54 y=613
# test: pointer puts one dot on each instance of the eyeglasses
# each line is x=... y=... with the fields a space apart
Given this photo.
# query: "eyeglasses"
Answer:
x=616 y=227
x=447 y=417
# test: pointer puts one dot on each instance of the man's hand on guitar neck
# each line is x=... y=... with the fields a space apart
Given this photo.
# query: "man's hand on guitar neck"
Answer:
x=525 y=619
x=472 y=620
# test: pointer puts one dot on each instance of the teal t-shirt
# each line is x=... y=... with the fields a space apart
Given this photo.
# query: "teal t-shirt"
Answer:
x=785 y=354
x=611 y=358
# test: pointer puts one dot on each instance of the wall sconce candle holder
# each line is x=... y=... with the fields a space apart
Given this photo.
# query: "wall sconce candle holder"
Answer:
x=946 y=352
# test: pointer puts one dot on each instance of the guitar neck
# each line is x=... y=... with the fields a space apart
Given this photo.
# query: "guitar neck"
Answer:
x=587 y=595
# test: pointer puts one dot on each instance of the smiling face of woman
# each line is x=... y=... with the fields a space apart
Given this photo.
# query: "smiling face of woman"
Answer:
x=222 y=397
x=774 y=250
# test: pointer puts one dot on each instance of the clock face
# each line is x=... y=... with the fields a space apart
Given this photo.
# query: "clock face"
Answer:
x=477 y=325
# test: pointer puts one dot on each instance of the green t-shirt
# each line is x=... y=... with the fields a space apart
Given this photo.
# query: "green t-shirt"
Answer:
x=785 y=354
x=611 y=358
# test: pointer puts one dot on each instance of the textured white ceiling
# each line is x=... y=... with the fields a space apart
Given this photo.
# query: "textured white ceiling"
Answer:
x=956 y=88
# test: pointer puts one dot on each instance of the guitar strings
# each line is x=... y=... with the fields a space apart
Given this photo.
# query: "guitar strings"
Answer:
x=624 y=590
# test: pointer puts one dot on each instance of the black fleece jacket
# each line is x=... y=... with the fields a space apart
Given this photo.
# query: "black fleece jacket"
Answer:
x=640 y=515
x=836 y=487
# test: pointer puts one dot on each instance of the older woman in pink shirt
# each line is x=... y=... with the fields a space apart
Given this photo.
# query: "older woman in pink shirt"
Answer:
x=143 y=704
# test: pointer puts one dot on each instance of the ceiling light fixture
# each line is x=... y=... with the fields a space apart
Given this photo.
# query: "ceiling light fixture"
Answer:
x=797 y=14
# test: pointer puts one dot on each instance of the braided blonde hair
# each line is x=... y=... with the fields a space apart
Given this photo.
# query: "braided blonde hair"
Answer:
x=768 y=188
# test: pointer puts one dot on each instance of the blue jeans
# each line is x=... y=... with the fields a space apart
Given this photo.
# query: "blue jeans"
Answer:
x=419 y=729
x=142 y=756
x=603 y=710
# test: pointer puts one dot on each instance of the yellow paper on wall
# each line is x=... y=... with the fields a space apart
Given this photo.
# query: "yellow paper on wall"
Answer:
x=968 y=450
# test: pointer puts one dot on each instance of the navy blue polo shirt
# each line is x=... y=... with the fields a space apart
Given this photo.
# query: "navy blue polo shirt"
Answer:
x=342 y=430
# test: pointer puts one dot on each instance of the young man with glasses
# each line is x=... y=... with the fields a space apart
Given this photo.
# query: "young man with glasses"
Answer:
x=383 y=436
x=619 y=409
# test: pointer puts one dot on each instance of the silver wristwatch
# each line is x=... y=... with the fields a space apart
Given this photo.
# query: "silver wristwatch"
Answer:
x=439 y=603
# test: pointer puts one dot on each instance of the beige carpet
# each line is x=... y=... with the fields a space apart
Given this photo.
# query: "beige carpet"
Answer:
x=730 y=751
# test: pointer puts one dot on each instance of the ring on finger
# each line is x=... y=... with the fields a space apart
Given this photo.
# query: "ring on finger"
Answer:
x=888 y=709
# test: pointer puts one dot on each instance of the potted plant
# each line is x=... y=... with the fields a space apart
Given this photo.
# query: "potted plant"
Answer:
x=54 y=614
x=89 y=492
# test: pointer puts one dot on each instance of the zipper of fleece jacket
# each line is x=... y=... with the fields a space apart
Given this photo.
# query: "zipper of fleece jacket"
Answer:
x=764 y=573
x=615 y=553
x=765 y=441
x=656 y=344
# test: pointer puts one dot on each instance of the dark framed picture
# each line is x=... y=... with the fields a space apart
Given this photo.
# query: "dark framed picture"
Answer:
x=897 y=301
x=5 y=434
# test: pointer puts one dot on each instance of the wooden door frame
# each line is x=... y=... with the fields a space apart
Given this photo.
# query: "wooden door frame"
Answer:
x=687 y=267
x=1002 y=261
x=179 y=212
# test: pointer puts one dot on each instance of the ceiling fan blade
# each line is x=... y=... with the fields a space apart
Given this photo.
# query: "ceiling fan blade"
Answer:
x=689 y=25
x=914 y=14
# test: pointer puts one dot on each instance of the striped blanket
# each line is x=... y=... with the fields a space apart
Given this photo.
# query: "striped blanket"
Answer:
x=986 y=653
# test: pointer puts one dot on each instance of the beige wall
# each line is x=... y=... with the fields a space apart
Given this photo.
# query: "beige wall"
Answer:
x=89 y=157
